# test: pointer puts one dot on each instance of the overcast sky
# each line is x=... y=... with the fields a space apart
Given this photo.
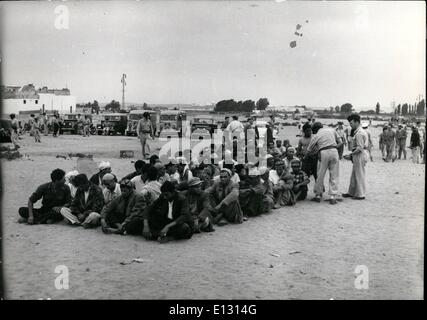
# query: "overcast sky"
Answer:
x=204 y=51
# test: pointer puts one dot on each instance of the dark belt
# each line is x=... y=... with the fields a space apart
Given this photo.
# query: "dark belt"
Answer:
x=327 y=148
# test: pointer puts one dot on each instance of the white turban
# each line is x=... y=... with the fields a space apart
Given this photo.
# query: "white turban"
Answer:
x=104 y=165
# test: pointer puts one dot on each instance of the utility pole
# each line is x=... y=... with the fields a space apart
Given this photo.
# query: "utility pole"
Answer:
x=123 y=91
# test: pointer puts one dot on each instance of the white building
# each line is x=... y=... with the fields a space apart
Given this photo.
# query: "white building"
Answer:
x=27 y=98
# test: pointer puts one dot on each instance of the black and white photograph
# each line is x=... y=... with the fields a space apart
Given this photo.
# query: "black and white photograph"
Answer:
x=212 y=150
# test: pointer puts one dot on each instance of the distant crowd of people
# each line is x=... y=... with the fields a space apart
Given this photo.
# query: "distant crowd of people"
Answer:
x=174 y=200
x=42 y=124
x=393 y=143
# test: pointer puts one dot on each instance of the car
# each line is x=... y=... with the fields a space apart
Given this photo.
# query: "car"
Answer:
x=207 y=123
x=70 y=123
x=112 y=123
x=172 y=119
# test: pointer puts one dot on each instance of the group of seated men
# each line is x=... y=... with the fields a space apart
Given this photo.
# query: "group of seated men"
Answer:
x=171 y=201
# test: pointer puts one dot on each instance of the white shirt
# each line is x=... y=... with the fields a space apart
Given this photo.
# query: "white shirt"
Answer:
x=174 y=176
x=73 y=189
x=86 y=195
x=170 y=210
x=274 y=177
x=234 y=126
x=137 y=181
x=110 y=195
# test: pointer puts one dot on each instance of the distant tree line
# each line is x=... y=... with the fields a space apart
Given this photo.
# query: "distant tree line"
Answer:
x=241 y=106
x=417 y=109
x=345 y=108
x=113 y=106
x=94 y=106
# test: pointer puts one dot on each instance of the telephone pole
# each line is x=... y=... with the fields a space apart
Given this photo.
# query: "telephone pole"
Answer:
x=123 y=91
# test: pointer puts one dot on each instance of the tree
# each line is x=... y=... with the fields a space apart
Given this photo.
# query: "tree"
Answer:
x=404 y=109
x=113 y=106
x=346 y=108
x=95 y=107
x=337 y=109
x=377 y=108
x=398 y=109
x=331 y=109
x=144 y=106
x=421 y=108
x=262 y=104
x=231 y=105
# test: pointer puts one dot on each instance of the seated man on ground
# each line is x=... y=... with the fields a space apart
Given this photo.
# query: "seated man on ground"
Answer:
x=242 y=172
x=118 y=216
x=171 y=170
x=234 y=176
x=224 y=195
x=270 y=161
x=251 y=193
x=268 y=196
x=168 y=217
x=162 y=175
x=138 y=168
x=300 y=179
x=184 y=171
x=55 y=195
x=104 y=168
x=206 y=175
x=151 y=189
x=139 y=181
x=199 y=205
x=282 y=185
x=86 y=206
x=111 y=188
x=290 y=153
x=69 y=181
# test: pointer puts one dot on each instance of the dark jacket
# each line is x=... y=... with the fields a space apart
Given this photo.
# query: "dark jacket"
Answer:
x=157 y=212
x=225 y=194
x=415 y=139
x=121 y=210
x=197 y=202
x=130 y=176
x=95 y=201
x=51 y=196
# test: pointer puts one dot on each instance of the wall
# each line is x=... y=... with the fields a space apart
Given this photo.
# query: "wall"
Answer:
x=50 y=102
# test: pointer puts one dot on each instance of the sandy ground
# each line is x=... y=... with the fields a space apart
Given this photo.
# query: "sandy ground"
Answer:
x=309 y=251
